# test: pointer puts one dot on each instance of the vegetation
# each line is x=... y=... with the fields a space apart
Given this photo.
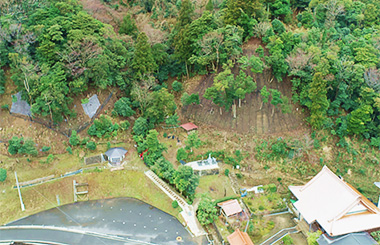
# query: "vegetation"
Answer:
x=206 y=212
x=21 y=146
x=3 y=174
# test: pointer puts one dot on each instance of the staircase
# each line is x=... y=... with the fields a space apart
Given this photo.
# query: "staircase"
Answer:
x=187 y=213
x=165 y=188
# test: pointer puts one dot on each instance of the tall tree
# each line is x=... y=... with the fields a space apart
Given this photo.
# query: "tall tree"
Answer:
x=206 y=212
x=185 y=181
x=264 y=96
x=143 y=61
x=319 y=102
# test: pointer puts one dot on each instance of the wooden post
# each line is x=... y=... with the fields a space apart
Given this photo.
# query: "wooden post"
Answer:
x=75 y=191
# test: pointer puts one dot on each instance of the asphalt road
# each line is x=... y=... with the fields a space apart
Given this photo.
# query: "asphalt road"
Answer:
x=125 y=217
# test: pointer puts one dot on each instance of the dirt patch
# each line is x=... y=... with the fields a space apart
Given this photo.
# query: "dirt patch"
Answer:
x=250 y=119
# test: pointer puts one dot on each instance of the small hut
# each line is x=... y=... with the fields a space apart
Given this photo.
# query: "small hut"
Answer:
x=189 y=126
x=115 y=155
x=230 y=208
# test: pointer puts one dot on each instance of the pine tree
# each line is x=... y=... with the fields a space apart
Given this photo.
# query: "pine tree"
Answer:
x=319 y=102
x=143 y=61
x=185 y=15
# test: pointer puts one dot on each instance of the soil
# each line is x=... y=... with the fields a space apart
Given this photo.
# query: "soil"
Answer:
x=250 y=119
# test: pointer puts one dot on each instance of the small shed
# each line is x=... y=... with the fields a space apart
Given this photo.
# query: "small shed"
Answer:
x=231 y=207
x=239 y=238
x=189 y=126
x=115 y=155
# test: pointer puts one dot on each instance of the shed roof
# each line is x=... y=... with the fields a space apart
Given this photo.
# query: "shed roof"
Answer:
x=239 y=238
x=336 y=205
x=189 y=126
x=116 y=152
x=230 y=207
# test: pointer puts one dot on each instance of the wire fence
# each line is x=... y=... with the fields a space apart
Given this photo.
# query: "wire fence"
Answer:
x=55 y=127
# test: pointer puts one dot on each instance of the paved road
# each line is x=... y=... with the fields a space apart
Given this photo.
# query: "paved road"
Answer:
x=126 y=217
x=56 y=237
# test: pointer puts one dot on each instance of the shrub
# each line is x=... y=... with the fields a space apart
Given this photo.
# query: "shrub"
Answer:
x=226 y=172
x=3 y=174
x=69 y=150
x=287 y=240
x=45 y=148
x=125 y=125
x=261 y=208
x=102 y=127
x=175 y=204
x=181 y=154
x=50 y=158
x=91 y=145
x=177 y=86
x=376 y=235
x=239 y=176
x=21 y=146
x=165 y=135
x=5 y=107
x=74 y=139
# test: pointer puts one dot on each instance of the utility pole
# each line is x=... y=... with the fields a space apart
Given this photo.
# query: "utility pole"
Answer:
x=19 y=193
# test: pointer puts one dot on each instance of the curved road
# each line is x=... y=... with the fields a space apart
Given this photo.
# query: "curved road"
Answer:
x=130 y=219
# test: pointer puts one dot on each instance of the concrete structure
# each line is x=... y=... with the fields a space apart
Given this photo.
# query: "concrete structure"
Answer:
x=115 y=155
x=239 y=238
x=334 y=206
x=230 y=208
x=204 y=167
x=189 y=126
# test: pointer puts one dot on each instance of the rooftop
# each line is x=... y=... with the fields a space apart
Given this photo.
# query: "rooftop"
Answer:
x=336 y=205
x=189 y=126
x=230 y=207
x=207 y=164
x=239 y=238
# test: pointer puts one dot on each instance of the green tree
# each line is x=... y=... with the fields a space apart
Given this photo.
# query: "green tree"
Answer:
x=278 y=26
x=14 y=145
x=181 y=154
x=177 y=86
x=143 y=61
x=193 y=141
x=276 y=99
x=185 y=14
x=312 y=237
x=206 y=212
x=3 y=174
x=122 y=108
x=256 y=64
x=359 y=118
x=264 y=96
x=185 y=181
x=209 y=6
x=91 y=145
x=162 y=105
x=69 y=150
x=74 y=139
x=154 y=147
x=141 y=126
x=187 y=99
x=319 y=102
x=172 y=120
x=128 y=26
x=164 y=169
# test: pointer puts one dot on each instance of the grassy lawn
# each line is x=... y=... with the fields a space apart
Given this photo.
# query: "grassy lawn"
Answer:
x=130 y=182
x=218 y=186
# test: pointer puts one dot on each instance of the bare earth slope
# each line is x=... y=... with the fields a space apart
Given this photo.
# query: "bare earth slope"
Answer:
x=250 y=119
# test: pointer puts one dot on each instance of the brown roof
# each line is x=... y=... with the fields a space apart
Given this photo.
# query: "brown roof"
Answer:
x=239 y=238
x=230 y=207
x=189 y=126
